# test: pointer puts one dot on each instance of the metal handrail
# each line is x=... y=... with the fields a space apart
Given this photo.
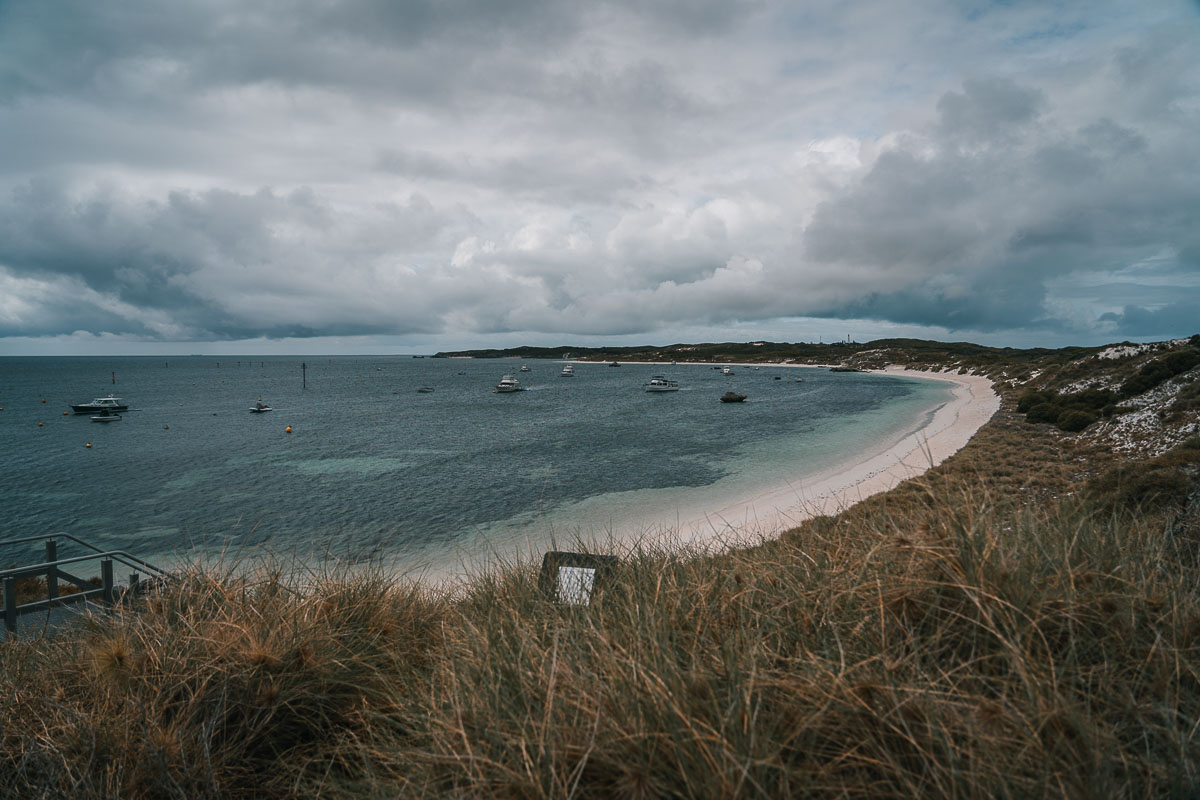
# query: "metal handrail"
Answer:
x=97 y=554
x=51 y=568
x=116 y=555
x=43 y=537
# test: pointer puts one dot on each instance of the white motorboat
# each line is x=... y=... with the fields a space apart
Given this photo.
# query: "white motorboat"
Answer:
x=509 y=384
x=109 y=404
x=726 y=371
x=525 y=368
x=660 y=383
x=106 y=416
x=568 y=371
x=260 y=407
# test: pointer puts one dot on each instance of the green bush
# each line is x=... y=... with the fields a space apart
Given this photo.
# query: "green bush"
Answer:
x=1030 y=399
x=1160 y=370
x=1043 y=412
x=1075 y=420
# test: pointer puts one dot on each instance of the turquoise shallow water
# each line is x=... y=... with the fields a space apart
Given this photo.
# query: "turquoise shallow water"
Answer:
x=373 y=468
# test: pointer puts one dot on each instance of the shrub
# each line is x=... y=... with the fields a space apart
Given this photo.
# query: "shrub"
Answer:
x=1043 y=412
x=1075 y=420
x=1140 y=487
x=1160 y=370
x=1030 y=399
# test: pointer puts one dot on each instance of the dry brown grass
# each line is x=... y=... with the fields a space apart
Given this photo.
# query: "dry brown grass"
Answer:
x=986 y=631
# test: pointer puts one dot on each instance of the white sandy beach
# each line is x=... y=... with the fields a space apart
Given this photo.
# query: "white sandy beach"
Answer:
x=781 y=506
x=774 y=511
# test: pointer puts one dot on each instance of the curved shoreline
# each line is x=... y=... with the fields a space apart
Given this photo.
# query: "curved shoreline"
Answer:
x=767 y=514
x=770 y=513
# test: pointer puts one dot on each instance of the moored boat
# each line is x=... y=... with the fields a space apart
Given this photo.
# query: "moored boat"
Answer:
x=660 y=383
x=106 y=416
x=732 y=397
x=568 y=371
x=509 y=384
x=109 y=404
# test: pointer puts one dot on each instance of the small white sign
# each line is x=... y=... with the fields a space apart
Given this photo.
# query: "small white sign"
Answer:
x=575 y=585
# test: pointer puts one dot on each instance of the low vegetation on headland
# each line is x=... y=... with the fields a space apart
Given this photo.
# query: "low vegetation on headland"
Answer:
x=1021 y=621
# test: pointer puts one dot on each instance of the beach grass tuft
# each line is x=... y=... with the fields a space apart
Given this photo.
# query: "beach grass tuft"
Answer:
x=990 y=629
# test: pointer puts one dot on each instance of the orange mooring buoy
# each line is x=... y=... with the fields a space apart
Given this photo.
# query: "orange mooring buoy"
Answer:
x=165 y=427
x=89 y=444
x=288 y=429
x=39 y=424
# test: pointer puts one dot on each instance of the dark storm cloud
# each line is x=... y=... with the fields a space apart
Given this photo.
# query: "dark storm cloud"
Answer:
x=223 y=170
x=1167 y=321
x=217 y=264
x=965 y=225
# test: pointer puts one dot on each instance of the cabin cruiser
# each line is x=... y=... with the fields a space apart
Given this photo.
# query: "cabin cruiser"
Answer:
x=509 y=384
x=109 y=404
x=660 y=383
x=568 y=371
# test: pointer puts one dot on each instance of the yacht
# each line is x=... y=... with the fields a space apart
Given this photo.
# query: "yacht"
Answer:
x=568 y=371
x=525 y=368
x=509 y=384
x=660 y=383
x=109 y=404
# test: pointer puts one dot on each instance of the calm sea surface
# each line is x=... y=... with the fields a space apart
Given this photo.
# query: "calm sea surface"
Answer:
x=374 y=468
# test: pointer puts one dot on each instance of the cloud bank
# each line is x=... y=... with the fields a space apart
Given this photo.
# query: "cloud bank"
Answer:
x=469 y=170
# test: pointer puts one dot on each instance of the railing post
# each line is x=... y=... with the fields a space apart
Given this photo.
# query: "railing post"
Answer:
x=133 y=584
x=10 y=604
x=52 y=573
x=106 y=580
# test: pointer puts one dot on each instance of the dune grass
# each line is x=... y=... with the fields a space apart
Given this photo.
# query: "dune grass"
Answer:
x=968 y=635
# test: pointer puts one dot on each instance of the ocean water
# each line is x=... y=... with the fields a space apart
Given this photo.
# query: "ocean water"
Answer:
x=372 y=468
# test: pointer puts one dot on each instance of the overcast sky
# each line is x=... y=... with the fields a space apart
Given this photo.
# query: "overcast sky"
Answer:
x=368 y=176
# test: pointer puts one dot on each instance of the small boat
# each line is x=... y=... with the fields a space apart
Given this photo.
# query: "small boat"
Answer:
x=509 y=384
x=259 y=408
x=568 y=371
x=613 y=364
x=659 y=383
x=106 y=416
x=844 y=368
x=425 y=390
x=732 y=397
x=726 y=371
x=109 y=404
x=525 y=368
